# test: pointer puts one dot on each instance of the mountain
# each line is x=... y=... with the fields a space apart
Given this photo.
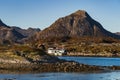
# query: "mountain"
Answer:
x=75 y=25
x=2 y=24
x=10 y=35
x=117 y=33
x=27 y=32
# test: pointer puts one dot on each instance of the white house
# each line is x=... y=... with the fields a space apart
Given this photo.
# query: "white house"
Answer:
x=56 y=52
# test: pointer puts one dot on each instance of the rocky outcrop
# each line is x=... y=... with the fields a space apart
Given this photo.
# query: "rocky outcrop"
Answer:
x=21 y=57
x=65 y=66
x=78 y=24
x=45 y=59
x=14 y=61
x=20 y=63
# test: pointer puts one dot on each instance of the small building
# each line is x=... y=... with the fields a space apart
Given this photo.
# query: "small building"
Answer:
x=56 y=52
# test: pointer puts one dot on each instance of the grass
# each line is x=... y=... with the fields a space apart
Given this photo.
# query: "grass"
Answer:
x=9 y=56
x=94 y=48
x=20 y=52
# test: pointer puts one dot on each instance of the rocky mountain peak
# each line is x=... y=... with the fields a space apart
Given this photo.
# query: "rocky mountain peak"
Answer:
x=80 y=13
x=78 y=24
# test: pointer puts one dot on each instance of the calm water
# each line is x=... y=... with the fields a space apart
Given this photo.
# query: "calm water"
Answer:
x=101 y=61
x=63 y=76
x=114 y=75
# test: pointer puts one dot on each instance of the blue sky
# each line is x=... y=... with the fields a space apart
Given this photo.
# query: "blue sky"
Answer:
x=42 y=13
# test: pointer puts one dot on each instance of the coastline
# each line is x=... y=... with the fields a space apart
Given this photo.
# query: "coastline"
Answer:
x=17 y=64
x=65 y=66
x=78 y=54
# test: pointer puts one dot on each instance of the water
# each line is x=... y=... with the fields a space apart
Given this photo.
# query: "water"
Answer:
x=101 y=61
x=63 y=76
x=114 y=75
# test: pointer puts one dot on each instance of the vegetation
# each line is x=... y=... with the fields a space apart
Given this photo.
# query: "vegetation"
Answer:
x=88 y=45
x=20 y=52
x=99 y=49
x=84 y=45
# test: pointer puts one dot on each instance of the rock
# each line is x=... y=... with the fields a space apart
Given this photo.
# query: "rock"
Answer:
x=50 y=67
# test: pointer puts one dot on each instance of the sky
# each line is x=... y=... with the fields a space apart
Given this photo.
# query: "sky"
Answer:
x=42 y=13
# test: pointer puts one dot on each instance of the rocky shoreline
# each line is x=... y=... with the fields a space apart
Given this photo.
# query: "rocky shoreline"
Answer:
x=48 y=67
x=65 y=66
x=91 y=54
x=11 y=63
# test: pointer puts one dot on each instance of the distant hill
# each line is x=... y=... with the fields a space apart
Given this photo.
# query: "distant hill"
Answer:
x=10 y=35
x=75 y=25
x=27 y=32
x=117 y=33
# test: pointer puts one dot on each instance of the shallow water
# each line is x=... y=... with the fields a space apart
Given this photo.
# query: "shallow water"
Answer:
x=101 y=61
x=63 y=76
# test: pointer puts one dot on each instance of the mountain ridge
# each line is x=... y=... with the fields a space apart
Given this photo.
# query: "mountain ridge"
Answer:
x=3 y=24
x=78 y=24
x=12 y=34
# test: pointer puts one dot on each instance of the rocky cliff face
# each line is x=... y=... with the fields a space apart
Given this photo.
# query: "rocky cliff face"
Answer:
x=78 y=24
